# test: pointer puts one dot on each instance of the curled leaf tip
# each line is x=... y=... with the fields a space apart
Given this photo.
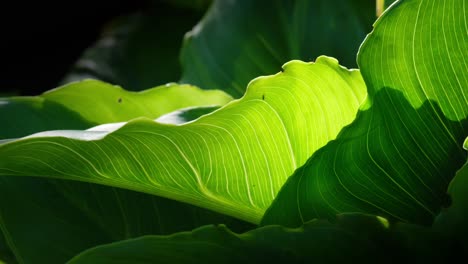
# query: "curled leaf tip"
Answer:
x=383 y=221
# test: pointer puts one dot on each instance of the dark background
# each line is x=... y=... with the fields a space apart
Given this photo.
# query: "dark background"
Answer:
x=41 y=40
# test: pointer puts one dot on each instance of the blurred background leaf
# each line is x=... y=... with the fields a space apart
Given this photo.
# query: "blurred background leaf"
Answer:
x=239 y=40
x=138 y=51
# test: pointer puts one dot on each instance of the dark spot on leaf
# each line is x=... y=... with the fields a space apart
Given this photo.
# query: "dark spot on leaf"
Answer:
x=446 y=201
x=119 y=100
x=263 y=97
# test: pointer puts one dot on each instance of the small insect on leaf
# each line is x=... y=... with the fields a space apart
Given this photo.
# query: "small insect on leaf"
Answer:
x=119 y=100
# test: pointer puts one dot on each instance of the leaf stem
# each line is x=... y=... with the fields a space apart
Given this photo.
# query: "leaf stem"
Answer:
x=380 y=6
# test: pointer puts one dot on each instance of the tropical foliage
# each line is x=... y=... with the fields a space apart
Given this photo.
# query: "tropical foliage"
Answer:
x=319 y=162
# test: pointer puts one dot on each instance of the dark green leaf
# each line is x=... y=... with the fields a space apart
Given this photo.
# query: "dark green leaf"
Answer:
x=355 y=238
x=49 y=221
x=454 y=216
x=32 y=221
x=138 y=51
x=239 y=40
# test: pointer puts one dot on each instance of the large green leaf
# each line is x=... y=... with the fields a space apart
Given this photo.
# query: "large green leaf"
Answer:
x=81 y=105
x=75 y=216
x=419 y=47
x=398 y=156
x=378 y=165
x=88 y=103
x=359 y=238
x=138 y=51
x=232 y=161
x=239 y=40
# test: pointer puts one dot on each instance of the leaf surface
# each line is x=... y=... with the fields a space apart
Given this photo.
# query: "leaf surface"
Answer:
x=233 y=160
x=75 y=216
x=399 y=155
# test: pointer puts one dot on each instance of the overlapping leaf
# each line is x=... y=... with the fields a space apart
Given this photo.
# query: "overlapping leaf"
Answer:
x=232 y=161
x=68 y=214
x=398 y=156
x=88 y=103
x=239 y=40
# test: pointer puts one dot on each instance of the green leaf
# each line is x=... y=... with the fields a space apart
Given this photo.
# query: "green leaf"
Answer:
x=397 y=158
x=380 y=164
x=107 y=214
x=74 y=216
x=138 y=51
x=71 y=207
x=356 y=237
x=454 y=216
x=22 y=116
x=419 y=48
x=239 y=40
x=233 y=160
x=85 y=104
